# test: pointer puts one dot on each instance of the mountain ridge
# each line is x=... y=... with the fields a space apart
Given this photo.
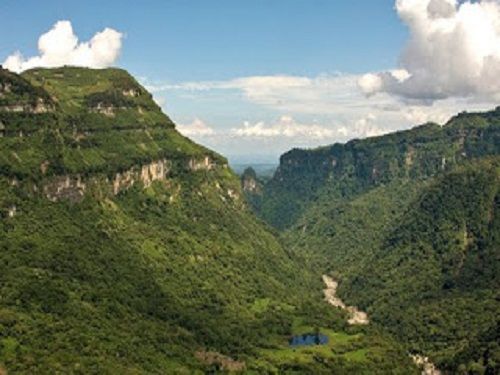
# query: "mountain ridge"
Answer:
x=361 y=164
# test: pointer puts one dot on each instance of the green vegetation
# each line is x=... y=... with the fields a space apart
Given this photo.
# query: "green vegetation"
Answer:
x=110 y=263
x=409 y=223
x=359 y=165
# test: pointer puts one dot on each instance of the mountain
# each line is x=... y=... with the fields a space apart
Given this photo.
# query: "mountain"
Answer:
x=408 y=222
x=127 y=248
x=351 y=168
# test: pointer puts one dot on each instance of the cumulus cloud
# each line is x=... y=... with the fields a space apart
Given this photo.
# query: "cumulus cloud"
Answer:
x=60 y=46
x=197 y=128
x=453 y=51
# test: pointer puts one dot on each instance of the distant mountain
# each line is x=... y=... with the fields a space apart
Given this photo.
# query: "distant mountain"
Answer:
x=127 y=248
x=409 y=223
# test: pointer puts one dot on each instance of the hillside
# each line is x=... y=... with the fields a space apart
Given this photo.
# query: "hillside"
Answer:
x=127 y=248
x=359 y=165
x=408 y=223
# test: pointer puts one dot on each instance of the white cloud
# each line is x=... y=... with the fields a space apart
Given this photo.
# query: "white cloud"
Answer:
x=453 y=51
x=197 y=128
x=60 y=46
x=324 y=94
x=286 y=126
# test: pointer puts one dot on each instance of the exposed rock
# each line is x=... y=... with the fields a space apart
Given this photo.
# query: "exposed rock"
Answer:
x=73 y=187
x=70 y=188
x=106 y=110
x=133 y=93
x=409 y=157
x=147 y=174
x=205 y=164
x=39 y=107
x=250 y=183
x=155 y=171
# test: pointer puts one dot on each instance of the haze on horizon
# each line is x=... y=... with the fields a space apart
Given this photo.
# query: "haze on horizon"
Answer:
x=254 y=80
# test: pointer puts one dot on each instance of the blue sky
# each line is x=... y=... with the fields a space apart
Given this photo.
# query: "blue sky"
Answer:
x=212 y=65
x=205 y=40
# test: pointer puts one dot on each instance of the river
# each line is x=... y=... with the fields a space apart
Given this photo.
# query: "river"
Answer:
x=357 y=316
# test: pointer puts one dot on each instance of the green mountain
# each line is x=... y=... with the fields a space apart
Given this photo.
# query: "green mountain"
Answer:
x=351 y=168
x=127 y=248
x=408 y=222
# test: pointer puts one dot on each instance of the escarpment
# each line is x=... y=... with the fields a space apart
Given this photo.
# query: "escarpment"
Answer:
x=358 y=165
x=69 y=131
x=74 y=187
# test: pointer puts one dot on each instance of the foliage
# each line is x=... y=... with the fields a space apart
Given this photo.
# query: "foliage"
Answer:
x=409 y=223
x=139 y=281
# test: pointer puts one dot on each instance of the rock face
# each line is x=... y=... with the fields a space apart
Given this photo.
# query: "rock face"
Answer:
x=250 y=182
x=147 y=174
x=33 y=109
x=73 y=187
x=252 y=188
x=204 y=164
x=70 y=188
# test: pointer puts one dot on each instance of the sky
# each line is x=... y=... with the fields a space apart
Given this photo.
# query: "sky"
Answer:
x=252 y=79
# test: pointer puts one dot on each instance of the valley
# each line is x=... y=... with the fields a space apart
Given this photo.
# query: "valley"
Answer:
x=406 y=226
x=128 y=248
x=105 y=228
x=283 y=187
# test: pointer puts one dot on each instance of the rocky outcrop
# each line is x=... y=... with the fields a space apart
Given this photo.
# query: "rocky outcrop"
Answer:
x=70 y=188
x=147 y=174
x=131 y=93
x=105 y=109
x=73 y=187
x=250 y=183
x=38 y=108
x=204 y=164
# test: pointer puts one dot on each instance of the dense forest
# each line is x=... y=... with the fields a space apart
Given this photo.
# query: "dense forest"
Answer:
x=127 y=248
x=408 y=223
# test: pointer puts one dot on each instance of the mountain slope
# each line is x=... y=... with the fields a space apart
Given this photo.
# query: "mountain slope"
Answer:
x=435 y=279
x=127 y=248
x=407 y=222
x=351 y=168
